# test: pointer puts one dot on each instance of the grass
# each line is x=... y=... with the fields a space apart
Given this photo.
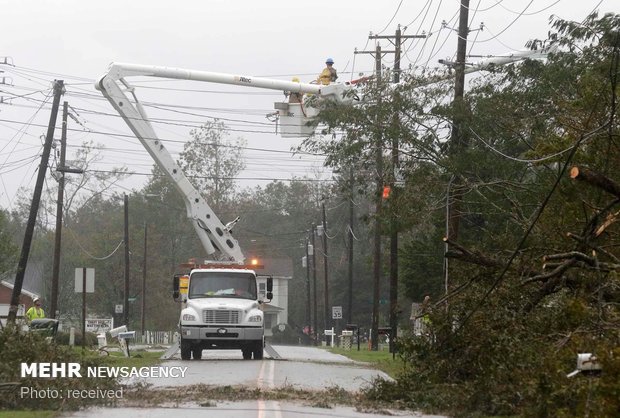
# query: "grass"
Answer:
x=382 y=360
x=139 y=358
x=29 y=414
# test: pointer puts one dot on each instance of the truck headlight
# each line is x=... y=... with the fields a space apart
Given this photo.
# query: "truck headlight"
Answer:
x=188 y=317
x=255 y=318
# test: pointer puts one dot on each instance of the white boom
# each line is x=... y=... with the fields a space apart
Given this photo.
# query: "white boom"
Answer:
x=212 y=233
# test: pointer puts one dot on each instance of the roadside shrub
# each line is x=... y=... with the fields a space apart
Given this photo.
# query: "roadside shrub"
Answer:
x=63 y=339
x=18 y=347
x=288 y=336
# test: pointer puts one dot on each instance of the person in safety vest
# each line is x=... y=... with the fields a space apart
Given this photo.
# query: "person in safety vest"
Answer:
x=329 y=73
x=36 y=311
x=295 y=97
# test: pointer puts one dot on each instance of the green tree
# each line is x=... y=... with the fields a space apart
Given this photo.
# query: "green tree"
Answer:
x=515 y=321
x=212 y=161
x=8 y=248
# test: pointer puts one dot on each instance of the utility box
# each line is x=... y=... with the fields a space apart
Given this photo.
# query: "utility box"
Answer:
x=294 y=119
x=346 y=340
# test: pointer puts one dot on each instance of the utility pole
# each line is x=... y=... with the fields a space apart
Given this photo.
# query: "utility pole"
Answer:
x=308 y=293
x=396 y=41
x=34 y=206
x=457 y=139
x=143 y=310
x=327 y=320
x=374 y=328
x=350 y=272
x=315 y=321
x=126 y=239
x=59 y=204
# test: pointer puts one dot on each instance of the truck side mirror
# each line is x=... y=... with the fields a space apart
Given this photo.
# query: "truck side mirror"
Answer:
x=269 y=288
x=175 y=287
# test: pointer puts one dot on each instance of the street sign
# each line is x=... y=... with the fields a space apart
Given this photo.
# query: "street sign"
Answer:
x=90 y=280
x=118 y=309
x=98 y=325
x=336 y=312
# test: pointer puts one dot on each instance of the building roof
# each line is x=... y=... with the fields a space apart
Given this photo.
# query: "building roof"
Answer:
x=23 y=292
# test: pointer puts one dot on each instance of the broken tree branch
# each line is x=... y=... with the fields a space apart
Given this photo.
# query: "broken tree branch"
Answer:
x=559 y=270
x=595 y=179
x=471 y=256
x=596 y=248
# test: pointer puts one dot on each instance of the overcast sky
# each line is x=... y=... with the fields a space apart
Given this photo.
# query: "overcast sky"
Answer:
x=75 y=41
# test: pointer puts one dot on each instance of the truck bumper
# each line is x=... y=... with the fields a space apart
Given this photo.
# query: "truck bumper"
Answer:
x=214 y=333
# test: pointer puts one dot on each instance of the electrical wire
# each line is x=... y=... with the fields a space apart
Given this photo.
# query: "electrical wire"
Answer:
x=392 y=19
x=520 y=160
x=510 y=24
x=89 y=254
x=530 y=13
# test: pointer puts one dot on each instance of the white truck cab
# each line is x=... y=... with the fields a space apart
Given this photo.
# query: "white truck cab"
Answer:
x=221 y=310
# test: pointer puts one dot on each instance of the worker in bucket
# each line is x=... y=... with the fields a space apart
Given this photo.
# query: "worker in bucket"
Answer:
x=295 y=97
x=329 y=74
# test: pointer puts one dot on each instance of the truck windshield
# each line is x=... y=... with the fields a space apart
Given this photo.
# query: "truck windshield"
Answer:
x=211 y=284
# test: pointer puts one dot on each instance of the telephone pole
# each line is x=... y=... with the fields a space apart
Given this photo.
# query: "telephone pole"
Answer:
x=376 y=293
x=313 y=254
x=308 y=292
x=396 y=40
x=34 y=206
x=327 y=320
x=144 y=265
x=59 y=203
x=126 y=240
x=350 y=272
x=457 y=139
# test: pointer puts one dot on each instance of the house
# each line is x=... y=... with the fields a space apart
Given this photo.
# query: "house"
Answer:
x=6 y=293
x=276 y=311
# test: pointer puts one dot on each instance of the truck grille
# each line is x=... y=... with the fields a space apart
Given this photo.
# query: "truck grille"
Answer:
x=212 y=316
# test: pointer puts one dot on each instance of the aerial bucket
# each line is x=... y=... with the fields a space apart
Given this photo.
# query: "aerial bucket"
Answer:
x=294 y=119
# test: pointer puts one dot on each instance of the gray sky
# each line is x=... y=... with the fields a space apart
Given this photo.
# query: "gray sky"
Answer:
x=76 y=40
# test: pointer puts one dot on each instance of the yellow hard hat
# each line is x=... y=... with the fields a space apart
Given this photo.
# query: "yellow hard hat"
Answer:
x=296 y=79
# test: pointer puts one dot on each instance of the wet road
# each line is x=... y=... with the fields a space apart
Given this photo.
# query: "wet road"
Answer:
x=305 y=368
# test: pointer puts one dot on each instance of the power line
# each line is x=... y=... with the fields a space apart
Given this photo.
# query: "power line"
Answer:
x=294 y=179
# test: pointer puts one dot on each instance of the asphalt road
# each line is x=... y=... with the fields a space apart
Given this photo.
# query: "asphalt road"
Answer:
x=305 y=368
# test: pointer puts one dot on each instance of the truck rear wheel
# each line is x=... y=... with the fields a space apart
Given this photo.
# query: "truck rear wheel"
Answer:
x=186 y=350
x=257 y=350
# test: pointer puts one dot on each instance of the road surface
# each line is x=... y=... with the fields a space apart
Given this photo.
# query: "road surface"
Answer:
x=303 y=368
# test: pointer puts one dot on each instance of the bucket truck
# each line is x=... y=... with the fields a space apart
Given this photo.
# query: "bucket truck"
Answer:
x=221 y=300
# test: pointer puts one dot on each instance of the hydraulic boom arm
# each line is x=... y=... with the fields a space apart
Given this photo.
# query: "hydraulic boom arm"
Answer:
x=212 y=233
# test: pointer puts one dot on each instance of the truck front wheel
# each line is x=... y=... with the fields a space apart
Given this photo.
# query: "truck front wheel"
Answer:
x=186 y=350
x=257 y=350
x=197 y=353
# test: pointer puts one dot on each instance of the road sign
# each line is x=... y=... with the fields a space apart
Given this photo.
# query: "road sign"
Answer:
x=99 y=324
x=118 y=309
x=336 y=312
x=90 y=280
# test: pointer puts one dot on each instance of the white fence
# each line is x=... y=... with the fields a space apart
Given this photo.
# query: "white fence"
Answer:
x=160 y=337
